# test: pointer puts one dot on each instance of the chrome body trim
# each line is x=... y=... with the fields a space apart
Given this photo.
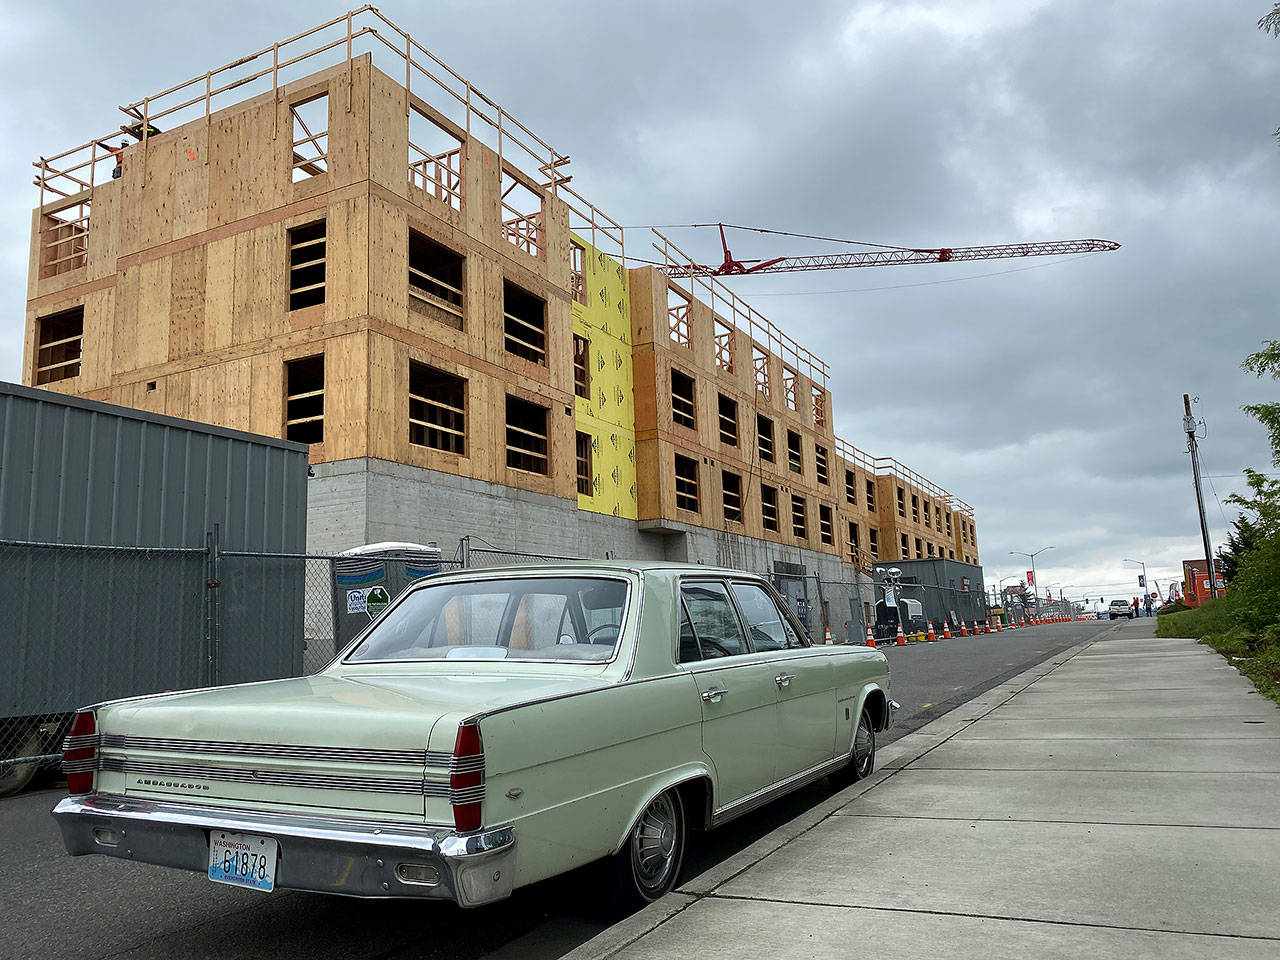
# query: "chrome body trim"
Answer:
x=758 y=799
x=328 y=855
x=283 y=751
x=275 y=778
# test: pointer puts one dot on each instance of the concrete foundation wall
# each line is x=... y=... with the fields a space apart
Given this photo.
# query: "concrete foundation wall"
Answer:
x=353 y=502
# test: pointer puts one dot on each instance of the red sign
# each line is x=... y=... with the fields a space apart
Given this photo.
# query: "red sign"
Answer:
x=1031 y=578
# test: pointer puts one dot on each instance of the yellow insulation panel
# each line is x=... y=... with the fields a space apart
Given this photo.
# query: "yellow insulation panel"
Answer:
x=608 y=416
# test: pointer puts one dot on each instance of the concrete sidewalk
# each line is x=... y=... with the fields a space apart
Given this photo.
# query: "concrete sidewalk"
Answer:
x=1120 y=800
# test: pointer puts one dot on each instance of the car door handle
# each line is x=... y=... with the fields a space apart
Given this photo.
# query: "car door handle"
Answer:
x=783 y=679
x=714 y=695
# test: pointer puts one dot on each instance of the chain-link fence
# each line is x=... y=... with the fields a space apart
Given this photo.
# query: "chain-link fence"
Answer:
x=89 y=623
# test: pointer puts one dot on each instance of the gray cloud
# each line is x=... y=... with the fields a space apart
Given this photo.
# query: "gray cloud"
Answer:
x=1049 y=398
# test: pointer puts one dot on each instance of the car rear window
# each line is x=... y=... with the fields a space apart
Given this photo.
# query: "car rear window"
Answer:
x=514 y=618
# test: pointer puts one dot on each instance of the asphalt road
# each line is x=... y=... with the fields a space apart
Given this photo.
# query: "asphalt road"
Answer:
x=92 y=908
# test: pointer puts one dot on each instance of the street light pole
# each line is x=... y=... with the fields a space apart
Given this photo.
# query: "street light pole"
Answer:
x=1146 y=584
x=1035 y=586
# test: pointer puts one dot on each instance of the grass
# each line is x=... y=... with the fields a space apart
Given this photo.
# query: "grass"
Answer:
x=1215 y=624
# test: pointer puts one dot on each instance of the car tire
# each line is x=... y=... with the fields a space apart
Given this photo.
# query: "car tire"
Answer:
x=648 y=865
x=862 y=755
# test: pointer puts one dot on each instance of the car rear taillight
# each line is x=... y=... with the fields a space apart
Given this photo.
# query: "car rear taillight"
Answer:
x=466 y=779
x=80 y=752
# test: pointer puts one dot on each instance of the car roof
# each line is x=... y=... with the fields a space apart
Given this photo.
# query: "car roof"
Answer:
x=605 y=566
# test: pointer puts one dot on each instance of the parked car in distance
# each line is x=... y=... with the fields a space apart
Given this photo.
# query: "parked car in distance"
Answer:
x=490 y=729
x=1120 y=608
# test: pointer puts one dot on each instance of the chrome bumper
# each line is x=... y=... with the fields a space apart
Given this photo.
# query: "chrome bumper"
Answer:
x=891 y=714
x=351 y=857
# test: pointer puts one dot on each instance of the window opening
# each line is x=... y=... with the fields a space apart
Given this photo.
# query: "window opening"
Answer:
x=585 y=486
x=724 y=344
x=732 y=486
x=581 y=366
x=64 y=240
x=820 y=462
x=307 y=254
x=310 y=137
x=929 y=549
x=304 y=399
x=683 y=408
x=764 y=434
x=526 y=436
x=819 y=407
x=521 y=215
x=686 y=483
x=524 y=323
x=851 y=487
x=790 y=381
x=577 y=272
x=852 y=543
x=826 y=531
x=435 y=159
x=59 y=342
x=928 y=514
x=949 y=523
x=769 y=507
x=728 y=421
x=799 y=527
x=437 y=409
x=795 y=452
x=919 y=551
x=915 y=509
x=435 y=276
x=873 y=542
x=906 y=547
x=902 y=503
x=760 y=367
x=871 y=496
x=678 y=321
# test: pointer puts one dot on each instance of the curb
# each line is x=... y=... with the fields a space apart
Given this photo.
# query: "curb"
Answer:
x=892 y=760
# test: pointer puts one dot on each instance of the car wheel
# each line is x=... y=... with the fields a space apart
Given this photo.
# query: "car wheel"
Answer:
x=648 y=865
x=862 y=758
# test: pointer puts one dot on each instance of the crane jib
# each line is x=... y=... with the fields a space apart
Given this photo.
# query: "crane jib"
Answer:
x=897 y=256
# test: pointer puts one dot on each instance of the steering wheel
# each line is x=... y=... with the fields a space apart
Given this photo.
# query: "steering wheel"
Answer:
x=605 y=626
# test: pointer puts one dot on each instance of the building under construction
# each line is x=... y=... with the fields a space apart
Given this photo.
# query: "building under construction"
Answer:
x=379 y=261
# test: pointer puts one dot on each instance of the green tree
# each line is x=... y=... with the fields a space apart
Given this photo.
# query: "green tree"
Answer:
x=1270 y=23
x=1242 y=540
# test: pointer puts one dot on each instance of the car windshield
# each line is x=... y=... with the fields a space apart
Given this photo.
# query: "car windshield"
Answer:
x=515 y=618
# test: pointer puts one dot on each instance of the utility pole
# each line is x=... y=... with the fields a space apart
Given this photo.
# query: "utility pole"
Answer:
x=1189 y=425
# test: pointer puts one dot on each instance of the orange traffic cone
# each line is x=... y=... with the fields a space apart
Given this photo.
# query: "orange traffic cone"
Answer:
x=946 y=630
x=997 y=624
x=902 y=640
x=830 y=640
x=930 y=637
x=871 y=638
x=963 y=632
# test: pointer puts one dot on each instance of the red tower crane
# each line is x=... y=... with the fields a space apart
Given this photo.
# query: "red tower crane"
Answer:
x=888 y=256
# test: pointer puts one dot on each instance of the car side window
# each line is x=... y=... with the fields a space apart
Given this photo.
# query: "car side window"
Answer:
x=715 y=623
x=689 y=652
x=768 y=627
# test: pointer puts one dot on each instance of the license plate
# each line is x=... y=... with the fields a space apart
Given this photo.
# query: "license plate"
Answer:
x=243 y=860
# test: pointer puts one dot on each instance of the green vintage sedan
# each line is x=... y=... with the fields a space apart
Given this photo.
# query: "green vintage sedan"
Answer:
x=490 y=729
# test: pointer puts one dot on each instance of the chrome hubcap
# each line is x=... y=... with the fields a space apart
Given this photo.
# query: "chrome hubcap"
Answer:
x=863 y=741
x=653 y=843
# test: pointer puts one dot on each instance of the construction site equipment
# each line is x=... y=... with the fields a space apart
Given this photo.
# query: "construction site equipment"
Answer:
x=886 y=256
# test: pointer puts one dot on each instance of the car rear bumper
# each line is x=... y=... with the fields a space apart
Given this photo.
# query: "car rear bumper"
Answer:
x=351 y=857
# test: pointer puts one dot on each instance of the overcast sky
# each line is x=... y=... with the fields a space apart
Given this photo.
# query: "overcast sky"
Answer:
x=1046 y=393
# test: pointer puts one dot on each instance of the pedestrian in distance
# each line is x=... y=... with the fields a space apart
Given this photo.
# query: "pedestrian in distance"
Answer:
x=1136 y=611
x=1148 y=606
